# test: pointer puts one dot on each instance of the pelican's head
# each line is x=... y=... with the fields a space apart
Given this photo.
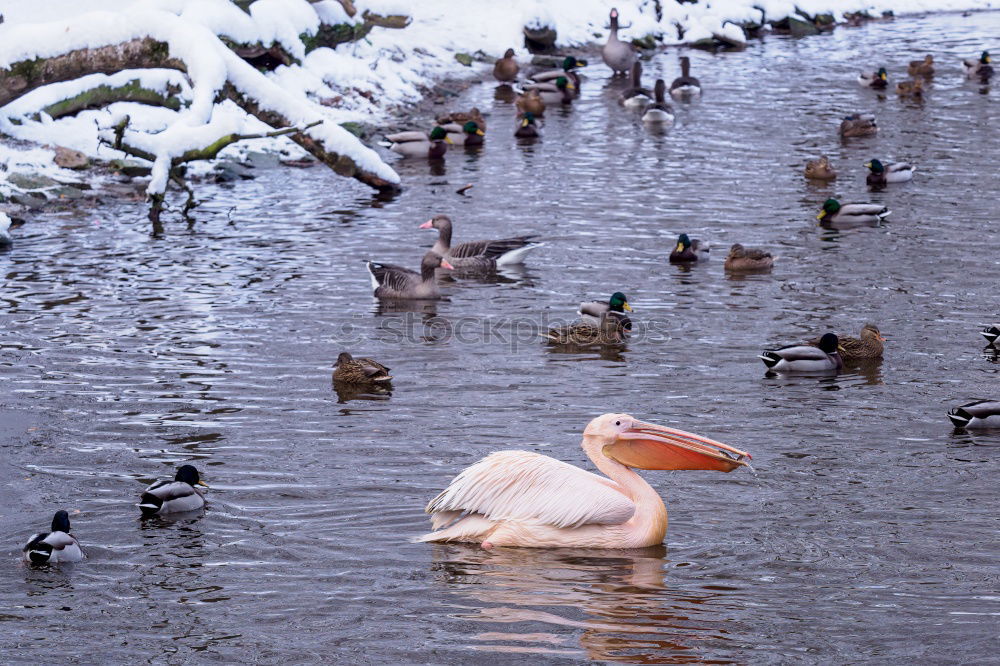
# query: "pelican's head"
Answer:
x=641 y=445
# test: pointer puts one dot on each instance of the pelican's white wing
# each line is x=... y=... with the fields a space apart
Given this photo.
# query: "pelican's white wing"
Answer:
x=525 y=486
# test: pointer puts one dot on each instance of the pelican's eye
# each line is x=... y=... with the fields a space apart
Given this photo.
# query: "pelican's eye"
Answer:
x=618 y=423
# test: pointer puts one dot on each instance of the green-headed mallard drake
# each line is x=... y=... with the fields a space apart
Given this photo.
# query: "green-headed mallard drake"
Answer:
x=636 y=97
x=858 y=124
x=877 y=80
x=393 y=282
x=688 y=250
x=866 y=347
x=175 y=496
x=568 y=69
x=892 y=172
x=559 y=91
x=834 y=213
x=56 y=546
x=685 y=85
x=978 y=414
x=617 y=55
x=820 y=169
x=923 y=67
x=615 y=307
x=418 y=144
x=530 y=101
x=478 y=255
x=914 y=88
x=506 y=68
x=659 y=112
x=468 y=134
x=528 y=127
x=979 y=69
x=991 y=333
x=350 y=370
x=805 y=358
x=748 y=259
x=608 y=331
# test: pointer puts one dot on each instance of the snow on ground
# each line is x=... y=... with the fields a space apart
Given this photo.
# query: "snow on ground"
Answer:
x=367 y=79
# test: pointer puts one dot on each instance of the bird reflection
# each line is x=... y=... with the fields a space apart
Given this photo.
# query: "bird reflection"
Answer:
x=347 y=392
x=616 y=602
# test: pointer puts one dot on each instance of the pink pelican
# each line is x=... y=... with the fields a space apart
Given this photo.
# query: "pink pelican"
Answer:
x=520 y=498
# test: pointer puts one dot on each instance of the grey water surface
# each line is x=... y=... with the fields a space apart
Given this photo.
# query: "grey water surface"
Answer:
x=867 y=532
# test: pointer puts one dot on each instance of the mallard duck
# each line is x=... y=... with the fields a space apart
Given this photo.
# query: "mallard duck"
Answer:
x=418 y=144
x=569 y=65
x=991 y=333
x=858 y=124
x=350 y=370
x=805 y=358
x=559 y=91
x=979 y=69
x=685 y=85
x=56 y=546
x=893 y=172
x=878 y=80
x=506 y=68
x=868 y=346
x=469 y=134
x=913 y=88
x=608 y=331
x=688 y=250
x=528 y=127
x=174 y=496
x=923 y=67
x=748 y=259
x=618 y=55
x=478 y=255
x=820 y=169
x=834 y=212
x=636 y=97
x=5 y=237
x=530 y=101
x=659 y=112
x=978 y=414
x=397 y=283
x=462 y=117
x=615 y=307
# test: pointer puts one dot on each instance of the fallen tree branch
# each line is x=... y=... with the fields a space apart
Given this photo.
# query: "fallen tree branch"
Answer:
x=27 y=75
x=103 y=95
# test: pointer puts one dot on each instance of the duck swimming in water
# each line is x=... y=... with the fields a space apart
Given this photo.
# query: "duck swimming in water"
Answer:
x=175 y=496
x=56 y=546
x=805 y=359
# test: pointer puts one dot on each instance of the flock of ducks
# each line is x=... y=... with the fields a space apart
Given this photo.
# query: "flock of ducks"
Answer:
x=601 y=322
x=181 y=495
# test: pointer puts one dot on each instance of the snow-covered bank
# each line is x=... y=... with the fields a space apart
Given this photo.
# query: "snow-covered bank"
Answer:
x=358 y=81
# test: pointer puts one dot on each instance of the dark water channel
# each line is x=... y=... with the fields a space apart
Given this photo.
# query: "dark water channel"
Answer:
x=867 y=534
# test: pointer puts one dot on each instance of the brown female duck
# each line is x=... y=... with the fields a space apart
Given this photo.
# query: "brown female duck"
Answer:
x=506 y=68
x=748 y=259
x=858 y=124
x=350 y=370
x=865 y=348
x=820 y=169
x=923 y=67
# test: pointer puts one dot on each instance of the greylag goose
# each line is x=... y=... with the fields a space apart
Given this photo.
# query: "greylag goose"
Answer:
x=685 y=85
x=659 y=113
x=636 y=97
x=395 y=282
x=478 y=255
x=618 y=55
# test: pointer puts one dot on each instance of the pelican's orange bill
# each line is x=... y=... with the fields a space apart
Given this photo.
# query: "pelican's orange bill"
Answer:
x=650 y=446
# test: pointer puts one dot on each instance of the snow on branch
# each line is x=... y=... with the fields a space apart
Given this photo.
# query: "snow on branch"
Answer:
x=204 y=42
